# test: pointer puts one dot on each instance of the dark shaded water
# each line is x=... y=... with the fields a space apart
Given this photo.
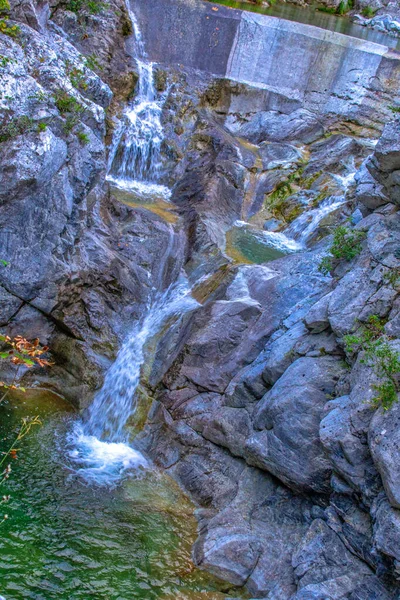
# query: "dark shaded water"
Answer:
x=310 y=16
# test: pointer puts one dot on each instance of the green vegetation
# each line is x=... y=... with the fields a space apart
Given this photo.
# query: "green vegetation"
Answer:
x=11 y=30
x=368 y=12
x=15 y=127
x=92 y=63
x=392 y=277
x=5 y=60
x=276 y=200
x=94 y=7
x=67 y=103
x=344 y=7
x=346 y=245
x=380 y=356
x=83 y=137
x=395 y=109
x=70 y=109
x=76 y=76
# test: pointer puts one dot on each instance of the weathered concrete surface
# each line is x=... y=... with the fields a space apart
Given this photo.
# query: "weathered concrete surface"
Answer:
x=328 y=72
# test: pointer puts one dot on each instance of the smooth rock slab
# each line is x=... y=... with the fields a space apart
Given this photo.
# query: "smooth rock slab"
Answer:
x=287 y=442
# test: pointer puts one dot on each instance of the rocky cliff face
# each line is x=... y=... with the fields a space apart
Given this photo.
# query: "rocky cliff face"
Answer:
x=262 y=407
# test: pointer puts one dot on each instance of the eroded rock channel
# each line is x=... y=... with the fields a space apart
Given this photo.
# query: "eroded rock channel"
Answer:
x=199 y=216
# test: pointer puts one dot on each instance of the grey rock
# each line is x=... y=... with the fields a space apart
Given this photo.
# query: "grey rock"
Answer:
x=300 y=125
x=292 y=411
x=368 y=191
x=317 y=319
x=384 y=440
x=323 y=565
x=385 y=162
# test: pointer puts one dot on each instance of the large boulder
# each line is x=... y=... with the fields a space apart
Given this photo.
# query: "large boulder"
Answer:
x=286 y=438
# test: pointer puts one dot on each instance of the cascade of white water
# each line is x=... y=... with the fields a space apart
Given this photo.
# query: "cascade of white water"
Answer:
x=114 y=404
x=99 y=443
x=135 y=155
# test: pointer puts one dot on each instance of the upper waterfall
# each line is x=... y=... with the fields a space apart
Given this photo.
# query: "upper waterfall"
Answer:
x=135 y=154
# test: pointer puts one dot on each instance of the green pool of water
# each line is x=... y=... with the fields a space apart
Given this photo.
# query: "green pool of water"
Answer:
x=247 y=245
x=67 y=540
x=309 y=15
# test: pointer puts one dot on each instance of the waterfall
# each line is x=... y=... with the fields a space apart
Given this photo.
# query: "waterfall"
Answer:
x=112 y=407
x=98 y=444
x=135 y=156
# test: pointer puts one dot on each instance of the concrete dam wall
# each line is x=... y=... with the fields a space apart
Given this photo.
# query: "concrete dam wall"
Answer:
x=323 y=71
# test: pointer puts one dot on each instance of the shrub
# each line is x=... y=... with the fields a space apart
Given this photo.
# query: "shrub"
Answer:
x=67 y=103
x=346 y=245
x=380 y=356
x=15 y=127
x=11 y=30
x=92 y=63
x=94 y=7
x=368 y=11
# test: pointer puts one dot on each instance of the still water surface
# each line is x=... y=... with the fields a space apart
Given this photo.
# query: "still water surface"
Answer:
x=310 y=16
x=66 y=540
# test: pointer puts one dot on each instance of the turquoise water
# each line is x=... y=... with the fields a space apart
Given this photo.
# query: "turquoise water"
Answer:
x=68 y=540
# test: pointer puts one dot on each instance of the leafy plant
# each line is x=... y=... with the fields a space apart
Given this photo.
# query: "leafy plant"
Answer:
x=392 y=277
x=83 y=137
x=41 y=126
x=21 y=352
x=368 y=11
x=67 y=103
x=14 y=127
x=11 y=30
x=6 y=60
x=94 y=7
x=346 y=245
x=76 y=76
x=70 y=108
x=380 y=356
x=92 y=63
x=395 y=109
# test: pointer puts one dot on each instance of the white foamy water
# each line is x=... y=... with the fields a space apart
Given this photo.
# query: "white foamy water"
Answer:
x=99 y=443
x=102 y=463
x=135 y=153
x=142 y=189
x=280 y=241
